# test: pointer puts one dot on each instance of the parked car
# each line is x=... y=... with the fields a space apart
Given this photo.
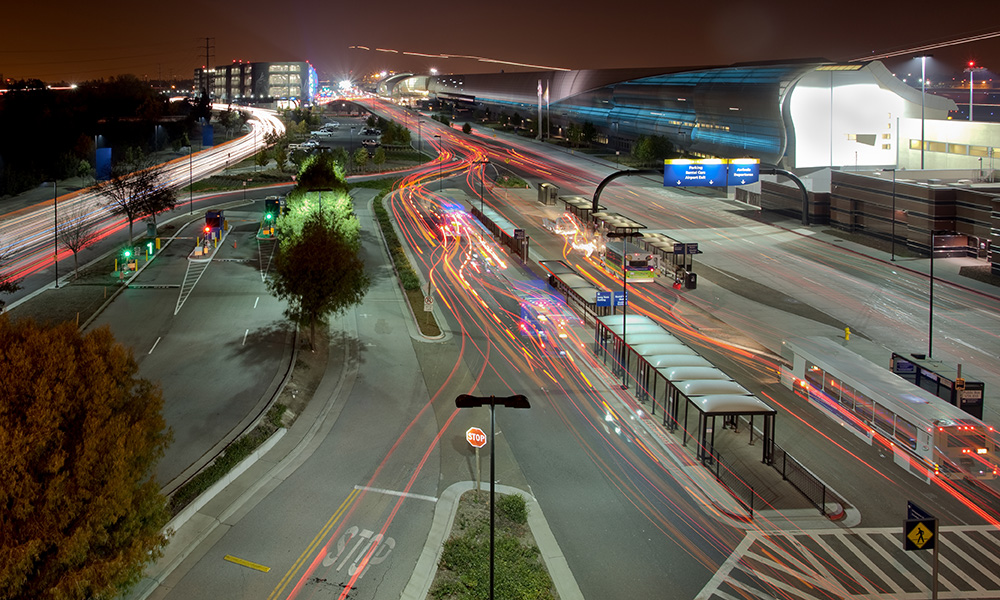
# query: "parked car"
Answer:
x=306 y=145
x=321 y=133
x=372 y=143
x=331 y=125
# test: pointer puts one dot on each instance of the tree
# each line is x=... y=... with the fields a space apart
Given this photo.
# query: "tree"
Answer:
x=8 y=284
x=588 y=133
x=361 y=157
x=261 y=158
x=516 y=120
x=321 y=172
x=76 y=232
x=136 y=187
x=281 y=157
x=574 y=133
x=467 y=128
x=318 y=272
x=379 y=158
x=81 y=437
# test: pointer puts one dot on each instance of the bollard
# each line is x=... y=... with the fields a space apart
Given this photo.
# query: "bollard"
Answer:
x=847 y=334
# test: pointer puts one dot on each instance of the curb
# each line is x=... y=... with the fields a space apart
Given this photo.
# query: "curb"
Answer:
x=426 y=569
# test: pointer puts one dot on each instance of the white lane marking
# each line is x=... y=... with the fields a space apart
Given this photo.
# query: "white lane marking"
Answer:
x=365 y=488
x=256 y=301
x=966 y=344
x=245 y=337
x=154 y=346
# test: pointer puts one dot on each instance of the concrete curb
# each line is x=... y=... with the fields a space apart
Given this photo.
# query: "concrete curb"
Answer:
x=444 y=518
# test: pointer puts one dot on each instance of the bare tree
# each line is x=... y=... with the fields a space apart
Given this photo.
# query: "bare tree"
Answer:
x=77 y=231
x=136 y=187
x=8 y=284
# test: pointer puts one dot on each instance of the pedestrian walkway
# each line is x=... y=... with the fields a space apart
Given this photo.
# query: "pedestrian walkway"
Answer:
x=861 y=563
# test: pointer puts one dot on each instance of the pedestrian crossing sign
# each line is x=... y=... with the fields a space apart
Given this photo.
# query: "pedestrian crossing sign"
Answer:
x=919 y=534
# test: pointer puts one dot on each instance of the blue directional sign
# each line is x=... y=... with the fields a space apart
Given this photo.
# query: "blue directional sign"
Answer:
x=603 y=298
x=743 y=171
x=682 y=172
x=621 y=298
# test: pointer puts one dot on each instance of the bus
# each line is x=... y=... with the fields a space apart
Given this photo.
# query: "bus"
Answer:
x=926 y=435
x=640 y=266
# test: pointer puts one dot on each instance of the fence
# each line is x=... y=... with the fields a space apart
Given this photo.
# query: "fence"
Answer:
x=741 y=490
x=808 y=484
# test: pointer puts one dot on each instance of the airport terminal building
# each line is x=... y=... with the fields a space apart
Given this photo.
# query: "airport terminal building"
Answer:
x=845 y=129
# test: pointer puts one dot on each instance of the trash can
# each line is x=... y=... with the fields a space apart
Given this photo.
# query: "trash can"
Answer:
x=691 y=281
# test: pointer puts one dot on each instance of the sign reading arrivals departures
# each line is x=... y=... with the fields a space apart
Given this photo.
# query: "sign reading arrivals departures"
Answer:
x=710 y=172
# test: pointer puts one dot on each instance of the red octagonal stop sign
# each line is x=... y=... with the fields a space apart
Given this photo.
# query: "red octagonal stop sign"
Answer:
x=476 y=437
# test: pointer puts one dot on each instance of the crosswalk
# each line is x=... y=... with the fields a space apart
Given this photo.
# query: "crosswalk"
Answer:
x=860 y=564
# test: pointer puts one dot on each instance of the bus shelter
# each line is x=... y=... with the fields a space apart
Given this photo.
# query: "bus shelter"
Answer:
x=579 y=293
x=580 y=206
x=665 y=248
x=730 y=406
x=619 y=225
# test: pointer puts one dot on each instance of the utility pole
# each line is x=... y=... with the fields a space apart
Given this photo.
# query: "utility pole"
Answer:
x=209 y=48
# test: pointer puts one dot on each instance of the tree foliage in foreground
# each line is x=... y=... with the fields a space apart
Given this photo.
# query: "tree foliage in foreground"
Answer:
x=80 y=435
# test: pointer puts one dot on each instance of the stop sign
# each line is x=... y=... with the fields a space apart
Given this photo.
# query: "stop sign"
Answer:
x=476 y=437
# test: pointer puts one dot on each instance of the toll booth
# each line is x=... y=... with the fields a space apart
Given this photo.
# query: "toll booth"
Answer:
x=942 y=380
x=214 y=223
x=547 y=194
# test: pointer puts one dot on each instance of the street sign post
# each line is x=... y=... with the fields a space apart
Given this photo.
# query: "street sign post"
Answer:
x=603 y=298
x=920 y=531
x=620 y=298
x=477 y=439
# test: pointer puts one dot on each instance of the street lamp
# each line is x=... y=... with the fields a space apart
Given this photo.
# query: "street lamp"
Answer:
x=971 y=70
x=55 y=228
x=624 y=357
x=420 y=138
x=923 y=92
x=440 y=164
x=467 y=401
x=190 y=177
x=930 y=304
x=893 y=234
x=482 y=176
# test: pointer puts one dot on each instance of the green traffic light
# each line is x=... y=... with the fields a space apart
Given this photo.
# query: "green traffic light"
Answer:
x=128 y=253
x=268 y=216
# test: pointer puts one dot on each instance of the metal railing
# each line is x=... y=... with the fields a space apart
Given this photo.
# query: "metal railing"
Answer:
x=740 y=489
x=803 y=480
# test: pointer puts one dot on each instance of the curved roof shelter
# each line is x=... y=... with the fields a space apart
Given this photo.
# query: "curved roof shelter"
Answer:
x=668 y=346
x=662 y=362
x=694 y=373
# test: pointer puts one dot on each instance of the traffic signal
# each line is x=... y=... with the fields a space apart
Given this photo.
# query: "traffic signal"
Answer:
x=127 y=253
x=208 y=229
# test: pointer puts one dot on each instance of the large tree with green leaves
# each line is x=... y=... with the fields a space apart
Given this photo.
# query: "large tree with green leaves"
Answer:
x=319 y=273
x=317 y=269
x=80 y=435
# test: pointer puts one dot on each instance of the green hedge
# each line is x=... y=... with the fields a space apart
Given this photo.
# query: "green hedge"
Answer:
x=407 y=276
x=232 y=456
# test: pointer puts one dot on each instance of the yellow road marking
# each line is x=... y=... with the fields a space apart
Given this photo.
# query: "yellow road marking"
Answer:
x=312 y=545
x=247 y=563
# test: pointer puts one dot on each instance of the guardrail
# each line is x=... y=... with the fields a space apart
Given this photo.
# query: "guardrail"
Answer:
x=803 y=480
x=741 y=490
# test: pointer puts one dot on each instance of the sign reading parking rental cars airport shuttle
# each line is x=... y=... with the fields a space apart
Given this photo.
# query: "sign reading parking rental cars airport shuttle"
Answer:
x=684 y=172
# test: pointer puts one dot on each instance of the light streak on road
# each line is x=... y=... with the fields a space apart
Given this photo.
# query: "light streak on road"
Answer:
x=26 y=235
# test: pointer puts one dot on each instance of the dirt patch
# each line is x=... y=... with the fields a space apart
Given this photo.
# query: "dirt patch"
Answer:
x=307 y=372
x=425 y=320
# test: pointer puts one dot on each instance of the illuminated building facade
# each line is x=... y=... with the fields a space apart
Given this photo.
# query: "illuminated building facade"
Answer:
x=283 y=83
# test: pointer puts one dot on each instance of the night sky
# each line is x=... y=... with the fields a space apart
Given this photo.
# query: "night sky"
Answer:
x=153 y=40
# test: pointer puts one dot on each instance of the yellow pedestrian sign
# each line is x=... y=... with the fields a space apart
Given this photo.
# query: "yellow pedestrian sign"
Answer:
x=919 y=534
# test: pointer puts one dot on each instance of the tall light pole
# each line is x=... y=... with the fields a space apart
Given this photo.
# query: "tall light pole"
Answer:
x=55 y=228
x=930 y=304
x=440 y=165
x=923 y=93
x=467 y=401
x=420 y=138
x=482 y=177
x=190 y=177
x=971 y=70
x=893 y=234
x=624 y=237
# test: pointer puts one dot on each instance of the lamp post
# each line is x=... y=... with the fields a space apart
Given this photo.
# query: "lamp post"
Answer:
x=971 y=70
x=467 y=401
x=482 y=177
x=893 y=234
x=930 y=305
x=440 y=164
x=923 y=92
x=55 y=228
x=420 y=138
x=190 y=177
x=624 y=357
